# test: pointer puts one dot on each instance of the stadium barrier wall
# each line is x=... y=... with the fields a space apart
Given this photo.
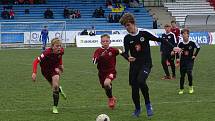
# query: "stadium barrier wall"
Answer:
x=203 y=38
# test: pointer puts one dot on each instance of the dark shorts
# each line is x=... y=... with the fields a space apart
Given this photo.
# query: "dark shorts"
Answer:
x=169 y=57
x=186 y=65
x=138 y=74
x=103 y=76
x=48 y=74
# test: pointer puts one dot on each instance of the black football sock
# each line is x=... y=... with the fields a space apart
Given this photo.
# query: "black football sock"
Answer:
x=108 y=92
x=56 y=97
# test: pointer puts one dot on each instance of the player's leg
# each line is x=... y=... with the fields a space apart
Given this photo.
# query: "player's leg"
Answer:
x=165 y=67
x=182 y=73
x=55 y=89
x=44 y=44
x=190 y=77
x=136 y=100
x=108 y=90
x=133 y=71
x=142 y=77
x=62 y=92
x=172 y=64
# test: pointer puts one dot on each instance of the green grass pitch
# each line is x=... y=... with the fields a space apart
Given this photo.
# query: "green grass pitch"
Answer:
x=23 y=100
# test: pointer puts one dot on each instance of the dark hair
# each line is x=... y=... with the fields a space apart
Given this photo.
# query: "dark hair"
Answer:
x=105 y=35
x=173 y=21
x=127 y=18
x=185 y=30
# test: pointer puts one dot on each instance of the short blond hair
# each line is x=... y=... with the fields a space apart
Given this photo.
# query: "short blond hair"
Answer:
x=105 y=35
x=127 y=18
x=55 y=41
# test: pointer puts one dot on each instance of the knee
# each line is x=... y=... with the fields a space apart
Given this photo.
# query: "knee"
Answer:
x=55 y=88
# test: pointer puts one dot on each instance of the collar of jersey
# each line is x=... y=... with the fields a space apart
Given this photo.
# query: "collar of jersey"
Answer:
x=186 y=42
x=135 y=33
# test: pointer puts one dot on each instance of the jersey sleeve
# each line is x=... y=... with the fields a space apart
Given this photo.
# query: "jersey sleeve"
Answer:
x=61 y=58
x=151 y=36
x=96 y=56
x=196 y=45
x=34 y=65
x=126 y=49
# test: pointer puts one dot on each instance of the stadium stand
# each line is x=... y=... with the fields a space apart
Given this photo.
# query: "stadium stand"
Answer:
x=86 y=8
x=181 y=8
x=163 y=16
x=200 y=22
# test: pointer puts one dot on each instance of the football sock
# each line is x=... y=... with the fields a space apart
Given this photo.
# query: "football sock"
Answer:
x=136 y=97
x=108 y=92
x=56 y=97
x=145 y=92
x=190 y=78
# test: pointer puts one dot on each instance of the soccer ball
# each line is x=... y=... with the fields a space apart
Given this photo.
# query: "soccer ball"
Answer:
x=103 y=117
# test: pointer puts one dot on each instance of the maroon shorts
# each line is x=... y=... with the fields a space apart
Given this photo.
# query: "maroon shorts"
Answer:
x=103 y=76
x=48 y=74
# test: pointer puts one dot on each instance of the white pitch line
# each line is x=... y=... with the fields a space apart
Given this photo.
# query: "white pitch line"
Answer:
x=85 y=106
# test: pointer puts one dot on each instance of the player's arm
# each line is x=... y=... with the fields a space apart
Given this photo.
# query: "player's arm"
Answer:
x=34 y=72
x=197 y=50
x=61 y=67
x=97 y=55
x=126 y=50
x=174 y=42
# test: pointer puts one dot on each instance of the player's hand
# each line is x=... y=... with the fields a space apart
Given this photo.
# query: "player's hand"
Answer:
x=177 y=64
x=103 y=53
x=172 y=53
x=57 y=70
x=131 y=59
x=177 y=49
x=193 y=57
x=61 y=67
x=34 y=75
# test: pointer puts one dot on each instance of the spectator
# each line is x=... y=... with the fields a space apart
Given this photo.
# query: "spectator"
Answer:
x=11 y=14
x=109 y=3
x=66 y=12
x=48 y=14
x=116 y=18
x=27 y=11
x=72 y=14
x=21 y=2
x=84 y=32
x=31 y=1
x=101 y=12
x=92 y=31
x=133 y=4
x=110 y=18
x=78 y=14
x=5 y=14
x=155 y=24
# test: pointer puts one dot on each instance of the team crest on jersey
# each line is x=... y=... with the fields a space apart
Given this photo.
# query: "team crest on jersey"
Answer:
x=111 y=76
x=131 y=42
x=142 y=39
x=186 y=52
x=190 y=47
x=169 y=37
x=110 y=54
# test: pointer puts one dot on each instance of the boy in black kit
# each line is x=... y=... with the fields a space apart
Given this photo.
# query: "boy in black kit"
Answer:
x=187 y=57
x=167 y=53
x=137 y=52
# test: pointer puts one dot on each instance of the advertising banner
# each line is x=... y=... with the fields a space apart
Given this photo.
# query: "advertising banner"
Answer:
x=34 y=37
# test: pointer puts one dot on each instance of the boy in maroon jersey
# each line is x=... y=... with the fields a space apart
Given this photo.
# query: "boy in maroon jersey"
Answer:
x=105 y=58
x=51 y=67
x=176 y=31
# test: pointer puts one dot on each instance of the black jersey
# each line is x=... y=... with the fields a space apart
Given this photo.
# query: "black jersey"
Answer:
x=139 y=47
x=188 y=50
x=170 y=37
